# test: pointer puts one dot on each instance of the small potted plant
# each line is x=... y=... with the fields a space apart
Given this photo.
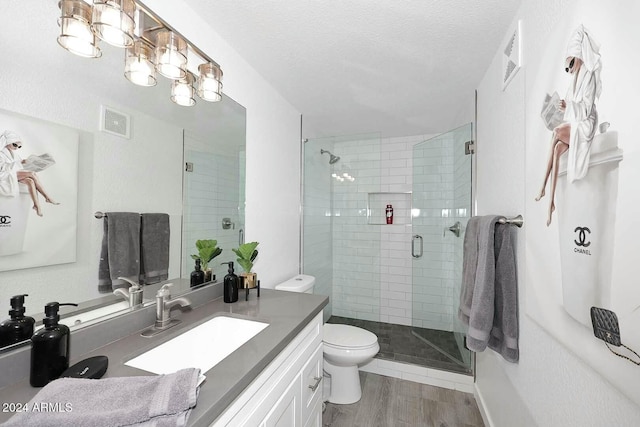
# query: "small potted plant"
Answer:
x=247 y=253
x=207 y=250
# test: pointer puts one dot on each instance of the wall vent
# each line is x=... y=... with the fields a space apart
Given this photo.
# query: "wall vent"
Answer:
x=115 y=122
x=511 y=56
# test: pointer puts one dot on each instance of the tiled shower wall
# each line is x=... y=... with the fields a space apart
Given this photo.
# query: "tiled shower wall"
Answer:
x=396 y=162
x=356 y=244
x=364 y=264
x=372 y=267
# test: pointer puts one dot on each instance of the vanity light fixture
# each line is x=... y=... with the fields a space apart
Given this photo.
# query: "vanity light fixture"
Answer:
x=76 y=35
x=171 y=55
x=152 y=46
x=210 y=82
x=139 y=68
x=113 y=21
x=182 y=91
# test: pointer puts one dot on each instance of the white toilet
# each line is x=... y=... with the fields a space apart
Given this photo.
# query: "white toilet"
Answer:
x=345 y=347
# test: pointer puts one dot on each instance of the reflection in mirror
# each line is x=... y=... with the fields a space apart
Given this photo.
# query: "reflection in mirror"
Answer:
x=213 y=197
x=142 y=173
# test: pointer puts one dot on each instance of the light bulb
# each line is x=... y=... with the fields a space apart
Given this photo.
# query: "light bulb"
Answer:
x=138 y=64
x=182 y=91
x=171 y=55
x=75 y=31
x=112 y=21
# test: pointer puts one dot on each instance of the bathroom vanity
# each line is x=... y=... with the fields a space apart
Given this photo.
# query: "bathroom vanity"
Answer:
x=274 y=378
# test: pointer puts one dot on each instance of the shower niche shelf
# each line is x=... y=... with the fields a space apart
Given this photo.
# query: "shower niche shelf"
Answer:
x=377 y=204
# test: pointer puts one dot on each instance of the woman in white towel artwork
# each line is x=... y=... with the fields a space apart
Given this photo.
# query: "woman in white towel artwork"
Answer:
x=577 y=130
x=12 y=173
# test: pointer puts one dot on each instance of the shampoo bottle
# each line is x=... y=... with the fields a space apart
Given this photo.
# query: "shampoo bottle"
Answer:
x=231 y=284
x=50 y=348
x=20 y=327
x=389 y=214
x=197 y=275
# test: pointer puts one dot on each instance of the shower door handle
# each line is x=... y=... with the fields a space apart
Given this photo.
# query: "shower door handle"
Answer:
x=241 y=236
x=418 y=238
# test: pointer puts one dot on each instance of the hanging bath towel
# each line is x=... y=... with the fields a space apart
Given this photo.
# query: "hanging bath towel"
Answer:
x=120 y=253
x=154 y=247
x=483 y=292
x=488 y=297
x=504 y=333
x=469 y=264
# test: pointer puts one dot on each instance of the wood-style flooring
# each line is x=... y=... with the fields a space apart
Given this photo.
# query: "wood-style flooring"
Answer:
x=391 y=402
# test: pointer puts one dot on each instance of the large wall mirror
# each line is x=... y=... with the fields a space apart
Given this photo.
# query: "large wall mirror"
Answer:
x=45 y=85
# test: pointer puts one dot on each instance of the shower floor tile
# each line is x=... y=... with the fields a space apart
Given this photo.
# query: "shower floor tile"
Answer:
x=399 y=344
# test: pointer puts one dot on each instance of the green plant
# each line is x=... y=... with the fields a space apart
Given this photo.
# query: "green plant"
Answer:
x=247 y=253
x=207 y=250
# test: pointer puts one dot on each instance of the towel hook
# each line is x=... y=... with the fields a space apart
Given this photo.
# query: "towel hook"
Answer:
x=455 y=229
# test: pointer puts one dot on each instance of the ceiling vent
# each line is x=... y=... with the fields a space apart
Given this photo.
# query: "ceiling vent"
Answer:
x=115 y=122
x=511 y=56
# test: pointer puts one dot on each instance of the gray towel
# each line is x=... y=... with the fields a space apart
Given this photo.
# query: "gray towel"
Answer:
x=504 y=334
x=159 y=401
x=480 y=313
x=469 y=264
x=154 y=247
x=120 y=254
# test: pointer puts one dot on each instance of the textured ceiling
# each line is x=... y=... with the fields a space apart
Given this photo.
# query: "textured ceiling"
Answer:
x=399 y=67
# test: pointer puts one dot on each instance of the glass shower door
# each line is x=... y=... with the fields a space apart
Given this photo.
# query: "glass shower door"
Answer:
x=441 y=200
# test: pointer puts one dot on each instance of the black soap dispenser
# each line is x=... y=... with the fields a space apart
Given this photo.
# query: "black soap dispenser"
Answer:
x=20 y=327
x=49 y=348
x=197 y=275
x=230 y=284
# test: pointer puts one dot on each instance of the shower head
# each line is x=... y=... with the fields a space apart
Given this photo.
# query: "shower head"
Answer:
x=333 y=159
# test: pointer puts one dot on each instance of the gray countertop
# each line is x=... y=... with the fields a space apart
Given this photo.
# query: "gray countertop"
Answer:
x=286 y=312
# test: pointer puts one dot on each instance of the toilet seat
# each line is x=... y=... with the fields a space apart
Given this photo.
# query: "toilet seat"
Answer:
x=348 y=337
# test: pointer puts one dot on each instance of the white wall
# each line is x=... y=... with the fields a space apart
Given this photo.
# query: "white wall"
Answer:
x=550 y=386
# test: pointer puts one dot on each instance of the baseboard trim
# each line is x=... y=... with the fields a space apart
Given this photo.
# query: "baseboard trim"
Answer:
x=488 y=422
x=420 y=374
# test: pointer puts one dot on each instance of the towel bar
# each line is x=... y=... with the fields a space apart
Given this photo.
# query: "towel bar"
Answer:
x=101 y=215
x=518 y=221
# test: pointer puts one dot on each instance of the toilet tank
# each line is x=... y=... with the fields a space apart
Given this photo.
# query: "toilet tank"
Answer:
x=301 y=283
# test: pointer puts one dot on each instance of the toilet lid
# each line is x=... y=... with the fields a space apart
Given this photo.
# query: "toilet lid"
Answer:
x=347 y=336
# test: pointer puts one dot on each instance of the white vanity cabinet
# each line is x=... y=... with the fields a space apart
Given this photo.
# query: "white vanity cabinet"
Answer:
x=288 y=392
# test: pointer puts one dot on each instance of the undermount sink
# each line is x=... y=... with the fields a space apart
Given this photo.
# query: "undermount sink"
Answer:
x=202 y=347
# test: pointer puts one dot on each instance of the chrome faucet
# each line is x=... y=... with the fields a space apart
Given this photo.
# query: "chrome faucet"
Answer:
x=133 y=294
x=164 y=304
